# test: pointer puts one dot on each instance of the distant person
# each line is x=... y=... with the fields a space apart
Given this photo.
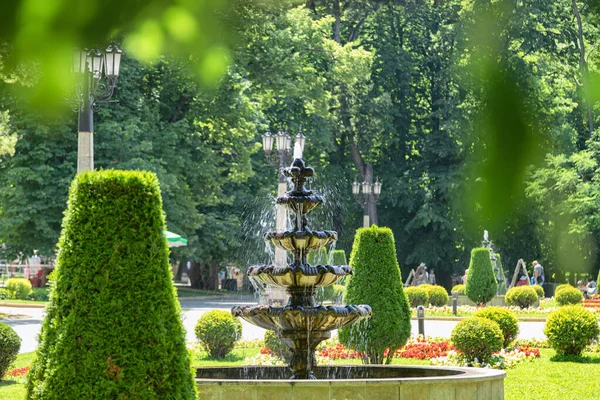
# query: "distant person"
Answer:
x=591 y=287
x=464 y=278
x=538 y=273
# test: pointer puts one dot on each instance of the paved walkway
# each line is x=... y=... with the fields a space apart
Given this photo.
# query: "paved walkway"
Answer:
x=28 y=328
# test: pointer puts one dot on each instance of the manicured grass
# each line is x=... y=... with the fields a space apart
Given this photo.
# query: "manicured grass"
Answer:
x=552 y=378
x=546 y=378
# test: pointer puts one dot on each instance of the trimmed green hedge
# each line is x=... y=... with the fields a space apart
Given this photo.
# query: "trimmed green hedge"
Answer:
x=460 y=288
x=521 y=296
x=217 y=331
x=377 y=282
x=568 y=296
x=562 y=287
x=438 y=297
x=417 y=296
x=477 y=338
x=506 y=320
x=481 y=283
x=10 y=344
x=539 y=290
x=570 y=329
x=20 y=288
x=113 y=328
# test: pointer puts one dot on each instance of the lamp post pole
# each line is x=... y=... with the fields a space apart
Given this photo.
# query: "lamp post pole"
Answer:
x=283 y=145
x=97 y=78
x=370 y=196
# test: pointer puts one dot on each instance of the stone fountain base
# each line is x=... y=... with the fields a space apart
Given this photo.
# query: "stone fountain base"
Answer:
x=352 y=382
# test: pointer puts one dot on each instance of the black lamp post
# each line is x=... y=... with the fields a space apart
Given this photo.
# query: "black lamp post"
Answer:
x=97 y=72
x=281 y=159
x=370 y=195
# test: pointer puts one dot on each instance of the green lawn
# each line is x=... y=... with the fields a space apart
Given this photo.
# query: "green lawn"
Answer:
x=547 y=378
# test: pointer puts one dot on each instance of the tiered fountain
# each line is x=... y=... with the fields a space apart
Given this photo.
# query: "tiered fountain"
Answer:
x=302 y=325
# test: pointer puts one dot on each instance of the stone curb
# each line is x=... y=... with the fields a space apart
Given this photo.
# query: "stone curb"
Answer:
x=21 y=305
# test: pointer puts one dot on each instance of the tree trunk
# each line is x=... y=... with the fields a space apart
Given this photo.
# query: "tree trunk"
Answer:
x=213 y=276
x=583 y=69
x=196 y=275
x=337 y=13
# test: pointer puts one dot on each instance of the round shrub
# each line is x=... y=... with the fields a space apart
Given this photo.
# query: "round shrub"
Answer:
x=568 y=296
x=277 y=346
x=20 y=288
x=217 y=331
x=417 y=296
x=481 y=285
x=438 y=297
x=562 y=287
x=376 y=282
x=521 y=296
x=538 y=290
x=113 y=326
x=477 y=338
x=10 y=343
x=460 y=288
x=4 y=294
x=570 y=329
x=506 y=320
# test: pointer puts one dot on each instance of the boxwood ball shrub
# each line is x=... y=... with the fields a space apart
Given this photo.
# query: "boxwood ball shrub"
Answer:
x=506 y=320
x=539 y=290
x=460 y=288
x=217 y=331
x=561 y=287
x=10 y=344
x=417 y=296
x=570 y=329
x=20 y=288
x=521 y=296
x=568 y=296
x=477 y=338
x=376 y=282
x=481 y=285
x=5 y=294
x=113 y=325
x=438 y=297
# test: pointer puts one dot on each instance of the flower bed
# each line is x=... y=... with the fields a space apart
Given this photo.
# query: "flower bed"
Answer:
x=503 y=359
x=17 y=374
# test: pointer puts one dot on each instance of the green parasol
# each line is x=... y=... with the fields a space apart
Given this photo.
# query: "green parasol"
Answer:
x=174 y=240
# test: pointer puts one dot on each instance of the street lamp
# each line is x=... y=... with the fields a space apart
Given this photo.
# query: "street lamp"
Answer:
x=97 y=72
x=371 y=193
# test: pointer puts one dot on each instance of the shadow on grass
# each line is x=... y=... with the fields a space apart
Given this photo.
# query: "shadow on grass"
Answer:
x=586 y=359
x=7 y=382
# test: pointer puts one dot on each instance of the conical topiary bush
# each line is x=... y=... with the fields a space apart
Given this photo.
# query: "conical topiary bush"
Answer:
x=113 y=327
x=481 y=285
x=377 y=282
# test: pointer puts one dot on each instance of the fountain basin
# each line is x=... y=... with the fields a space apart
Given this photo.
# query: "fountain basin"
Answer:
x=300 y=204
x=300 y=275
x=301 y=240
x=302 y=319
x=352 y=382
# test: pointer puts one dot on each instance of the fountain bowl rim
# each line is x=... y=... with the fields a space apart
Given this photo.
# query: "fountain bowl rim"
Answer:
x=468 y=374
